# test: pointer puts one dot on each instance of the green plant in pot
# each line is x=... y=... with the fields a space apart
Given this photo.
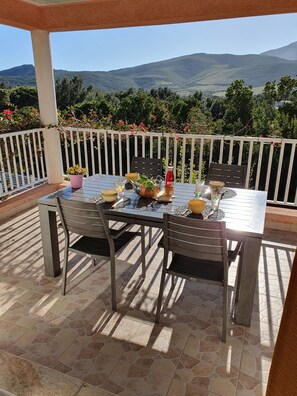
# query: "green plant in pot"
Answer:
x=76 y=174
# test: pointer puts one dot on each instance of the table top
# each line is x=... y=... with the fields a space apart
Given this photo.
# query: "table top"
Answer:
x=243 y=210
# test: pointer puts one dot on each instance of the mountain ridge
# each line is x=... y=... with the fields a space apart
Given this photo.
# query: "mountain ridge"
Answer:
x=288 y=52
x=210 y=73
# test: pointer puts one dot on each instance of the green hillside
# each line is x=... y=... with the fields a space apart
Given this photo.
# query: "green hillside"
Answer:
x=186 y=74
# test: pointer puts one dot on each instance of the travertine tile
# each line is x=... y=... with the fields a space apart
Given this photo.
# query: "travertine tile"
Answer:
x=125 y=352
x=24 y=378
x=9 y=334
x=137 y=380
x=89 y=390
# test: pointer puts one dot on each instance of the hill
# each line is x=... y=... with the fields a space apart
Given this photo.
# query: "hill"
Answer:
x=209 y=73
x=288 y=52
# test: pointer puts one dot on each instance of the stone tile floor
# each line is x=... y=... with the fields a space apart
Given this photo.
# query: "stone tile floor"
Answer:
x=75 y=345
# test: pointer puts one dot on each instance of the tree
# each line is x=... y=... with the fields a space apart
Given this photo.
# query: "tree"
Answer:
x=239 y=104
x=4 y=99
x=181 y=109
x=101 y=108
x=286 y=87
x=264 y=111
x=136 y=108
x=71 y=92
x=24 y=96
x=163 y=93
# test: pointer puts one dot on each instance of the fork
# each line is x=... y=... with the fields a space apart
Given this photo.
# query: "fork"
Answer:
x=185 y=212
x=209 y=214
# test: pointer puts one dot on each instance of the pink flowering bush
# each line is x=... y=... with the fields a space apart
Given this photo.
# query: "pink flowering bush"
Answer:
x=19 y=120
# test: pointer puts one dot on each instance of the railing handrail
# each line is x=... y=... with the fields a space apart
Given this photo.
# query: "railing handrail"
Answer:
x=16 y=133
x=184 y=135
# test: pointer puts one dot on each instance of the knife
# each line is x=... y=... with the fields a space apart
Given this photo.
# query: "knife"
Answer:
x=122 y=202
x=117 y=203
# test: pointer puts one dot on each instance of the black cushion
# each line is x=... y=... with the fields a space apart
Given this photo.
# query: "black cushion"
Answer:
x=100 y=246
x=194 y=268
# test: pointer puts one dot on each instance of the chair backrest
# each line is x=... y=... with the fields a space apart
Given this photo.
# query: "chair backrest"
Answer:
x=149 y=166
x=232 y=175
x=83 y=218
x=203 y=240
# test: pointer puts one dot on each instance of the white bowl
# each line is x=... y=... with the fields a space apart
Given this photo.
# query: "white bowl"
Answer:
x=109 y=195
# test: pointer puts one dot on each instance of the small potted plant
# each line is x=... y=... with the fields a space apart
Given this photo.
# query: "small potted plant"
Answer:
x=76 y=174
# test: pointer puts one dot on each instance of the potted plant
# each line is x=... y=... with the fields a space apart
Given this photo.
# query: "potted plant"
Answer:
x=76 y=174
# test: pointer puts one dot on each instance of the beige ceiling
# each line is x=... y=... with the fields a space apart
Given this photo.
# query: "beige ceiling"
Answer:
x=68 y=15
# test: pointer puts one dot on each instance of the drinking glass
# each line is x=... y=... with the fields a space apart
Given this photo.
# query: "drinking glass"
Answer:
x=120 y=186
x=199 y=188
x=215 y=200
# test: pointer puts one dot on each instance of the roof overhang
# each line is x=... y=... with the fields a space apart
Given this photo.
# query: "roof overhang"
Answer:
x=69 y=15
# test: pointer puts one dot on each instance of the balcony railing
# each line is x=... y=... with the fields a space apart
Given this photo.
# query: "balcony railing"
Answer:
x=271 y=162
x=22 y=163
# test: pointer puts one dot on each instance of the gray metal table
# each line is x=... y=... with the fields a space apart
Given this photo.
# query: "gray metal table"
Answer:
x=244 y=213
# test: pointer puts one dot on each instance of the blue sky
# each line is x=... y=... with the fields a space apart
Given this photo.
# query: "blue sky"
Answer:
x=117 y=48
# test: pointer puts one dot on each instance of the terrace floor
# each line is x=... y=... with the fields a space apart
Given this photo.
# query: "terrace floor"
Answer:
x=75 y=345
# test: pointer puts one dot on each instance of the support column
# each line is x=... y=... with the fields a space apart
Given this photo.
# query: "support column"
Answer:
x=47 y=104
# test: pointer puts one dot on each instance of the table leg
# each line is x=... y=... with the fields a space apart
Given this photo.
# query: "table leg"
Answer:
x=49 y=237
x=249 y=260
x=143 y=250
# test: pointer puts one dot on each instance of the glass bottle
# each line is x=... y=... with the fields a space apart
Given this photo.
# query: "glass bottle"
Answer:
x=169 y=182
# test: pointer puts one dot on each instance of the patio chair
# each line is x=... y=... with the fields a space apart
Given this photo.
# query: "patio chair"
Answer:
x=232 y=175
x=96 y=240
x=199 y=253
x=151 y=167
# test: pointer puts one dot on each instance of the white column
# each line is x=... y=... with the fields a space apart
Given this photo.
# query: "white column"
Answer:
x=47 y=104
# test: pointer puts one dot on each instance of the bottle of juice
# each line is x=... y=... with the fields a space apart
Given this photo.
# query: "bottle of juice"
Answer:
x=169 y=182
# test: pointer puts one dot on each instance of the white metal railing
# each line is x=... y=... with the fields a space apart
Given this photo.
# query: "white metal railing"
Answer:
x=271 y=162
x=21 y=161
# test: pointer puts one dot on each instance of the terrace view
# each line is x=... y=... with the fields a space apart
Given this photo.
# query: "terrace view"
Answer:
x=101 y=335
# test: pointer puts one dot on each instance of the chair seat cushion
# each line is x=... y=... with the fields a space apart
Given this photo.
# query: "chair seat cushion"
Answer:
x=188 y=267
x=100 y=246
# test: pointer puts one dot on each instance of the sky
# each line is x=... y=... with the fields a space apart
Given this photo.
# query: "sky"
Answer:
x=113 y=49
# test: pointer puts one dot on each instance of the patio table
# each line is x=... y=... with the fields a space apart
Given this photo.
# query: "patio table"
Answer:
x=243 y=211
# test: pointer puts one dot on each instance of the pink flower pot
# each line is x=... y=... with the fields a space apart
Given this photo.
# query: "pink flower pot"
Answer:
x=76 y=180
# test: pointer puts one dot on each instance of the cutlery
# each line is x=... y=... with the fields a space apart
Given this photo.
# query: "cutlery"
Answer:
x=185 y=212
x=209 y=214
x=122 y=202
x=117 y=203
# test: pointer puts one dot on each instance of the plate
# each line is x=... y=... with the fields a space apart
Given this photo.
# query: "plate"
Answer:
x=160 y=197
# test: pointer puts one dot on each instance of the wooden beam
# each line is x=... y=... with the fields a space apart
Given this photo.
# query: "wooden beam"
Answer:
x=20 y=14
x=103 y=14
x=124 y=13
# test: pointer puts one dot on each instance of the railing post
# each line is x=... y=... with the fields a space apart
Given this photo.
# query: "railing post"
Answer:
x=47 y=104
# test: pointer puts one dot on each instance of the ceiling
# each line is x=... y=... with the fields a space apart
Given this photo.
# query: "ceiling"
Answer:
x=69 y=15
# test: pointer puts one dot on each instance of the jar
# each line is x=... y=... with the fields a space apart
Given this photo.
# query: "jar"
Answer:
x=169 y=182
